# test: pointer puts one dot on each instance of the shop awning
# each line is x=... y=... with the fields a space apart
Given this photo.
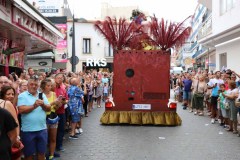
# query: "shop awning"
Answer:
x=42 y=55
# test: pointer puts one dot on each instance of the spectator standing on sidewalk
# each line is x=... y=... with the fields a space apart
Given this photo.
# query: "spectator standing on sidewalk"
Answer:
x=76 y=99
x=52 y=118
x=231 y=95
x=30 y=72
x=199 y=88
x=105 y=91
x=99 y=93
x=60 y=91
x=214 y=84
x=187 y=84
x=32 y=105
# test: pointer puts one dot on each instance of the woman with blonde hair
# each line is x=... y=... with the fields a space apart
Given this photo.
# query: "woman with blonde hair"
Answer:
x=199 y=88
x=52 y=118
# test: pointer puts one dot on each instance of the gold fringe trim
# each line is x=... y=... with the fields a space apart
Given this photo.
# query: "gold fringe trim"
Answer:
x=141 y=118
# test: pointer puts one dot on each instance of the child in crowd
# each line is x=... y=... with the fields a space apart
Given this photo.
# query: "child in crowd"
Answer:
x=105 y=91
x=223 y=113
x=176 y=92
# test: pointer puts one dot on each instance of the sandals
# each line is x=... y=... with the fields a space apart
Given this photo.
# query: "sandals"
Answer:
x=201 y=114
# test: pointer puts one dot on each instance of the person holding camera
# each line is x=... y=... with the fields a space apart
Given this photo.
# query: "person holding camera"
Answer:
x=60 y=90
x=32 y=106
x=52 y=117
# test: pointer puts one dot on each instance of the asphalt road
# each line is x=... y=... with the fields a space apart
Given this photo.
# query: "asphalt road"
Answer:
x=196 y=139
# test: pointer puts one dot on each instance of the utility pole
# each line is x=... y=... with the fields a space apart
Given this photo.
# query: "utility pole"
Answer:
x=73 y=47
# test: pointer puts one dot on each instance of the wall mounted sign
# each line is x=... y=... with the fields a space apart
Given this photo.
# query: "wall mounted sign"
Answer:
x=42 y=63
x=61 y=50
x=96 y=62
x=48 y=8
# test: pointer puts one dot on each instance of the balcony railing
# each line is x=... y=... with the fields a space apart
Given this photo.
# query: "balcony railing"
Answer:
x=197 y=53
x=206 y=28
x=193 y=46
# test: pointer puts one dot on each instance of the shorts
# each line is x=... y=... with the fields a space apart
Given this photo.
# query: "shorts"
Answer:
x=214 y=102
x=186 y=95
x=90 y=98
x=75 y=118
x=34 y=142
x=105 y=94
x=52 y=125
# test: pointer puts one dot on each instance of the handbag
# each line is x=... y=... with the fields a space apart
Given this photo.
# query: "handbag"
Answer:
x=17 y=151
x=237 y=102
x=198 y=94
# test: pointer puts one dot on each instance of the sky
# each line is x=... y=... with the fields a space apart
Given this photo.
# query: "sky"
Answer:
x=174 y=10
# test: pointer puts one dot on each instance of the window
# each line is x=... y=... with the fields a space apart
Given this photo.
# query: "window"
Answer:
x=110 y=50
x=226 y=5
x=223 y=60
x=86 y=45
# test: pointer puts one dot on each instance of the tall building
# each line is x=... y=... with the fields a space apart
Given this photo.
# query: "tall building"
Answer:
x=194 y=55
x=221 y=33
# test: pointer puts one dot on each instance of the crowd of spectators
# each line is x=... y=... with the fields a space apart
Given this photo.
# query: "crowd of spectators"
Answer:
x=215 y=94
x=38 y=109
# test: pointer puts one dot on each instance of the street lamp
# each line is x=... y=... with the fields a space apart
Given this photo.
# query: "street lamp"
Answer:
x=73 y=59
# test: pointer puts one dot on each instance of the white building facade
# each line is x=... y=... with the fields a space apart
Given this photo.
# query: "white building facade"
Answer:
x=224 y=34
x=92 y=50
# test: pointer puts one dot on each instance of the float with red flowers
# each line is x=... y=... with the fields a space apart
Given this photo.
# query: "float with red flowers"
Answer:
x=142 y=52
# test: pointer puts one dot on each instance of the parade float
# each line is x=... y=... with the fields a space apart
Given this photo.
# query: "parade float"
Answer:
x=142 y=52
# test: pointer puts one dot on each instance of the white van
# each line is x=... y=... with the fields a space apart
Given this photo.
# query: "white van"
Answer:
x=176 y=70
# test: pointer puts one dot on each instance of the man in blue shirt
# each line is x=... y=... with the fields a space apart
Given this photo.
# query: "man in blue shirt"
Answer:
x=187 y=83
x=33 y=107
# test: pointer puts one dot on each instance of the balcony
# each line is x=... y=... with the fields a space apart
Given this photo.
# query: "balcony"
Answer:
x=199 y=52
x=206 y=28
x=193 y=46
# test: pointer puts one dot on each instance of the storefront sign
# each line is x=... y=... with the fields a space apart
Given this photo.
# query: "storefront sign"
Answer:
x=94 y=62
x=30 y=25
x=42 y=63
x=48 y=8
x=61 y=50
x=212 y=64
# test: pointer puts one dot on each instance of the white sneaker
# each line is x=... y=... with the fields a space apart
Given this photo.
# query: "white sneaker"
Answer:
x=80 y=130
x=219 y=121
x=213 y=120
x=77 y=131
